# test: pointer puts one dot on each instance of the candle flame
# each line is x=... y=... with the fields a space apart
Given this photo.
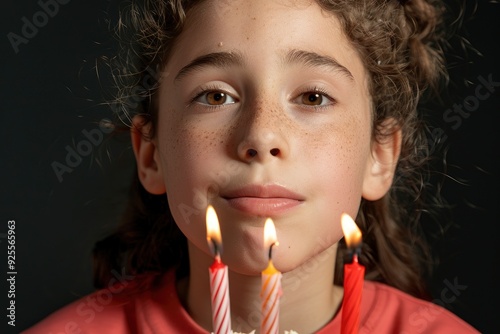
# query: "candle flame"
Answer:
x=270 y=237
x=351 y=231
x=213 y=229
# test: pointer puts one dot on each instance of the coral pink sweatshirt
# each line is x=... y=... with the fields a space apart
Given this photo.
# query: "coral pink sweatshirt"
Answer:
x=151 y=305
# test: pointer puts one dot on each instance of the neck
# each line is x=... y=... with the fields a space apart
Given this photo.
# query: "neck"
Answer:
x=309 y=300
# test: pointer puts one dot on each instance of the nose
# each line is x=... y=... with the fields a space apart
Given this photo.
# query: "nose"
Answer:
x=252 y=153
x=263 y=136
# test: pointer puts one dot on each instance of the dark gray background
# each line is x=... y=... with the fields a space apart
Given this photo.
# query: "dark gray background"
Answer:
x=50 y=94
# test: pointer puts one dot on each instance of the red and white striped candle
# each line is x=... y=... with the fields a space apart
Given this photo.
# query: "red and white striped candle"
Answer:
x=271 y=285
x=219 y=282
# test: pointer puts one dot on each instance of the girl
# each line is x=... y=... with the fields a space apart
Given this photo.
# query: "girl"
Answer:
x=297 y=110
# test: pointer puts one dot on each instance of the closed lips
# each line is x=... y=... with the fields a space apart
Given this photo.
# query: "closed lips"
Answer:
x=263 y=200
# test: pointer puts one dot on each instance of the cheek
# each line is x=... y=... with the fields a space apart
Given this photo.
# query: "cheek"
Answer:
x=341 y=153
x=334 y=160
x=187 y=149
x=338 y=166
x=191 y=158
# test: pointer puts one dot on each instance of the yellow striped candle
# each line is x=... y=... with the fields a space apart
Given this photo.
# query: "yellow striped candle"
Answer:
x=271 y=285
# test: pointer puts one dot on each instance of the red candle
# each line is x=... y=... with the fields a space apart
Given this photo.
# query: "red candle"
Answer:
x=353 y=278
x=219 y=283
x=271 y=285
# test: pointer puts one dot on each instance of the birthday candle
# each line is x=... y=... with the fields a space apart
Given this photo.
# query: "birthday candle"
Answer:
x=219 y=284
x=271 y=285
x=353 y=278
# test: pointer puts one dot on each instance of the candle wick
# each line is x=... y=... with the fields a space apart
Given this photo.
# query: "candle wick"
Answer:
x=271 y=250
x=355 y=258
x=215 y=248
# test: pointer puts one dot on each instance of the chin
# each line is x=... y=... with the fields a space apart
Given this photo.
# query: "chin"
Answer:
x=244 y=261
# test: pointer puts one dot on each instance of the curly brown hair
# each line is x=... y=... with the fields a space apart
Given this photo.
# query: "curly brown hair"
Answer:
x=400 y=44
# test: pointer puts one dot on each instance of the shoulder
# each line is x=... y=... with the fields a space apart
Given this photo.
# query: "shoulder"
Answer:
x=119 y=308
x=386 y=309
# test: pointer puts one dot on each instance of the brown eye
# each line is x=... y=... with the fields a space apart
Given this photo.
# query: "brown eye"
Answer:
x=216 y=98
x=312 y=99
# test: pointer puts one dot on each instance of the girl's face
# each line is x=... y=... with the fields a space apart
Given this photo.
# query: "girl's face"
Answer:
x=264 y=111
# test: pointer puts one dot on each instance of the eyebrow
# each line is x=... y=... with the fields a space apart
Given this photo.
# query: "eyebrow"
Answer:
x=216 y=59
x=313 y=59
x=294 y=56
